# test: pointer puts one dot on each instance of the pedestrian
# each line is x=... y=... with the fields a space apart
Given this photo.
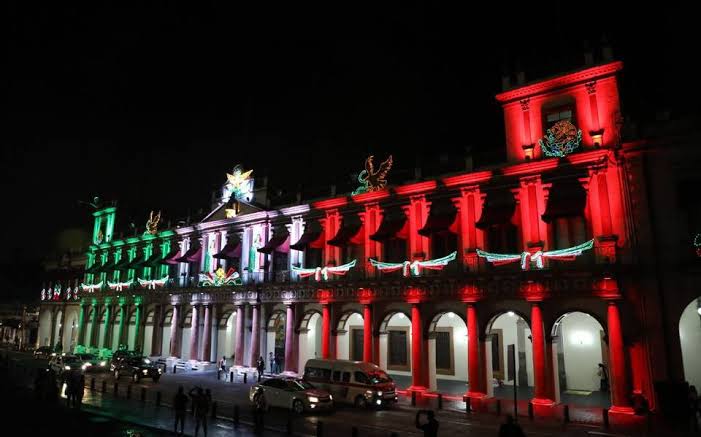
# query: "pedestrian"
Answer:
x=430 y=428
x=51 y=394
x=604 y=378
x=69 y=383
x=180 y=405
x=510 y=428
x=222 y=367
x=80 y=390
x=259 y=408
x=261 y=366
x=271 y=358
x=200 y=404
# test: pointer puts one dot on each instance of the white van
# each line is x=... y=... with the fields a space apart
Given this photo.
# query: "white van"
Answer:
x=352 y=382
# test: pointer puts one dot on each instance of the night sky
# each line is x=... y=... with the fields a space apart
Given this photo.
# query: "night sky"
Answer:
x=151 y=105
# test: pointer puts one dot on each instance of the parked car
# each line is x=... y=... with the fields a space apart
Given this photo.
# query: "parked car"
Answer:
x=92 y=363
x=43 y=352
x=292 y=393
x=65 y=363
x=352 y=382
x=136 y=367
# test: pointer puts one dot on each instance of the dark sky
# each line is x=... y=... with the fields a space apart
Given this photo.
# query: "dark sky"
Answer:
x=150 y=105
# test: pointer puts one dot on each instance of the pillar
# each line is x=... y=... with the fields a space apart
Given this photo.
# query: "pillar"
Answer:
x=417 y=375
x=289 y=339
x=617 y=371
x=81 y=323
x=195 y=332
x=138 y=341
x=325 y=330
x=157 y=336
x=539 y=361
x=52 y=343
x=432 y=382
x=120 y=331
x=240 y=336
x=94 y=329
x=175 y=332
x=473 y=355
x=106 y=338
x=255 y=334
x=207 y=335
x=367 y=333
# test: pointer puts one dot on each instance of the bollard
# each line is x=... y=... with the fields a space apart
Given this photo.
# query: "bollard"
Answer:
x=354 y=432
x=605 y=417
x=218 y=375
x=214 y=410
x=498 y=407
x=236 y=416
x=260 y=375
x=531 y=415
x=413 y=398
x=104 y=386
x=440 y=401
x=129 y=391
x=468 y=406
x=320 y=429
x=115 y=389
x=566 y=413
x=174 y=368
x=245 y=377
x=92 y=384
x=158 y=398
x=231 y=376
x=143 y=394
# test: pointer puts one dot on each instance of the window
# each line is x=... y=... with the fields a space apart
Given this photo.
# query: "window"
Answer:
x=503 y=238
x=318 y=373
x=360 y=378
x=337 y=375
x=168 y=318
x=346 y=376
x=395 y=250
x=553 y=115
x=356 y=346
x=444 y=351
x=443 y=244
x=312 y=258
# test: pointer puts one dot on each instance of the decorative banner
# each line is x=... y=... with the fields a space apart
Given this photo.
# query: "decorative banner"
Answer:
x=220 y=279
x=57 y=292
x=561 y=139
x=527 y=258
x=91 y=288
x=44 y=294
x=371 y=180
x=152 y=284
x=697 y=244
x=239 y=184
x=323 y=273
x=118 y=286
x=152 y=224
x=414 y=268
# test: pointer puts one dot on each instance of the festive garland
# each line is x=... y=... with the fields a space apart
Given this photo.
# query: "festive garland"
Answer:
x=91 y=288
x=152 y=284
x=697 y=244
x=561 y=139
x=119 y=286
x=414 y=268
x=220 y=278
x=323 y=273
x=527 y=258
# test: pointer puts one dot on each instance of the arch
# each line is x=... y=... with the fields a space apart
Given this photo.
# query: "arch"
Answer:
x=388 y=316
x=447 y=347
x=343 y=320
x=395 y=346
x=690 y=338
x=186 y=333
x=275 y=339
x=274 y=316
x=307 y=317
x=45 y=328
x=348 y=344
x=555 y=328
x=496 y=314
x=579 y=345
x=431 y=326
x=507 y=327
x=149 y=327
x=226 y=334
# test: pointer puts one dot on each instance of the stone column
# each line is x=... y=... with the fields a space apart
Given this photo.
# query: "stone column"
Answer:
x=108 y=322
x=473 y=356
x=120 y=331
x=325 y=330
x=539 y=357
x=417 y=371
x=138 y=341
x=367 y=333
x=175 y=332
x=255 y=334
x=290 y=365
x=194 y=332
x=240 y=337
x=81 y=323
x=207 y=337
x=617 y=371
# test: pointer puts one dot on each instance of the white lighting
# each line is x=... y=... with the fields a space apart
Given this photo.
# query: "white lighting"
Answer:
x=401 y=315
x=581 y=338
x=451 y=315
x=511 y=313
x=699 y=311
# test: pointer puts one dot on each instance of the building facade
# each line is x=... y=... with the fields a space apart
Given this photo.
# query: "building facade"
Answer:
x=531 y=272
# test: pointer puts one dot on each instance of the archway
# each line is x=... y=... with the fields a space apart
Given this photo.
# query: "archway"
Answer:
x=185 y=344
x=395 y=347
x=226 y=336
x=309 y=345
x=165 y=328
x=57 y=329
x=131 y=331
x=447 y=349
x=100 y=341
x=148 y=332
x=349 y=337
x=276 y=340
x=45 y=328
x=690 y=338
x=579 y=340
x=89 y=326
x=509 y=329
x=115 y=329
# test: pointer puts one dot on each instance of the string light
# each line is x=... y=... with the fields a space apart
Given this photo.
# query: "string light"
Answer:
x=323 y=273
x=528 y=258
x=414 y=268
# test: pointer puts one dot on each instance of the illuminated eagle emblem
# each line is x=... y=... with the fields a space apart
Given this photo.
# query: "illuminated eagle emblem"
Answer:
x=561 y=139
x=152 y=223
x=372 y=180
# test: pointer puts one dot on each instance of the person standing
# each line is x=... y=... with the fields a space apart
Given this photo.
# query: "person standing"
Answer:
x=261 y=366
x=80 y=391
x=180 y=405
x=222 y=367
x=429 y=428
x=259 y=407
x=604 y=378
x=271 y=359
x=510 y=428
x=200 y=403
